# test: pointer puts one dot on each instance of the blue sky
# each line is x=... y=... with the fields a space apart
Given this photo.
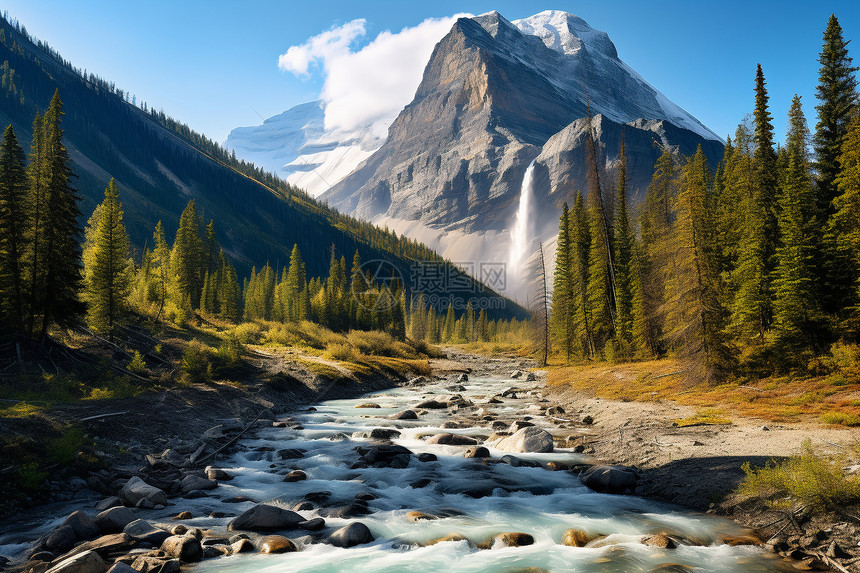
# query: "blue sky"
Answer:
x=214 y=65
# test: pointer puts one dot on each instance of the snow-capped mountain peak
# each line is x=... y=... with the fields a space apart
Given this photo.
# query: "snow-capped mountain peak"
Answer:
x=566 y=33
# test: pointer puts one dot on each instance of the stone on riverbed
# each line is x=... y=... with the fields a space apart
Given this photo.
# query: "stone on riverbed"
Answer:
x=609 y=479
x=217 y=474
x=156 y=564
x=136 y=490
x=83 y=525
x=659 y=540
x=277 y=544
x=476 y=452
x=404 y=415
x=356 y=533
x=531 y=439
x=508 y=539
x=186 y=548
x=452 y=440
x=577 y=538
x=193 y=482
x=385 y=455
x=86 y=562
x=61 y=539
x=142 y=530
x=368 y=405
x=265 y=517
x=115 y=519
x=295 y=475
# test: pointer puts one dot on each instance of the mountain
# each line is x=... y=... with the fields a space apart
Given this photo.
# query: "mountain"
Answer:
x=296 y=146
x=160 y=164
x=495 y=96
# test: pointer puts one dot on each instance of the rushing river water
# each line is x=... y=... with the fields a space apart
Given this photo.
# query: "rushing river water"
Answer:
x=474 y=498
x=532 y=500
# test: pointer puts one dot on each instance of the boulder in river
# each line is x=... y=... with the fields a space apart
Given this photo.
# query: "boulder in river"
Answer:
x=156 y=564
x=476 y=452
x=217 y=474
x=265 y=517
x=115 y=519
x=368 y=405
x=186 y=548
x=61 y=539
x=531 y=439
x=142 y=530
x=453 y=536
x=193 y=482
x=135 y=490
x=431 y=405
x=404 y=415
x=658 y=540
x=508 y=539
x=609 y=479
x=452 y=440
x=356 y=533
x=295 y=475
x=576 y=538
x=519 y=462
x=83 y=525
x=277 y=544
x=85 y=562
x=385 y=455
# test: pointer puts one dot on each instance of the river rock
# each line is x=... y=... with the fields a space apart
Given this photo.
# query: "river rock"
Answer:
x=295 y=475
x=181 y=516
x=735 y=540
x=530 y=439
x=431 y=405
x=658 y=540
x=519 y=425
x=61 y=539
x=153 y=564
x=516 y=462
x=86 y=562
x=383 y=434
x=291 y=454
x=509 y=539
x=178 y=530
x=83 y=525
x=452 y=440
x=385 y=455
x=315 y=524
x=531 y=377
x=609 y=479
x=368 y=405
x=277 y=544
x=417 y=516
x=135 y=490
x=142 y=530
x=115 y=519
x=516 y=374
x=217 y=474
x=476 y=452
x=463 y=378
x=404 y=415
x=453 y=536
x=266 y=517
x=107 y=503
x=356 y=533
x=576 y=538
x=242 y=546
x=193 y=482
x=426 y=457
x=186 y=548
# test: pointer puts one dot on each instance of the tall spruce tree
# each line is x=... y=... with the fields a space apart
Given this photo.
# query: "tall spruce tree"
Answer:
x=837 y=93
x=580 y=240
x=187 y=256
x=694 y=312
x=36 y=215
x=845 y=226
x=108 y=278
x=13 y=211
x=161 y=258
x=795 y=298
x=623 y=244
x=62 y=269
x=563 y=309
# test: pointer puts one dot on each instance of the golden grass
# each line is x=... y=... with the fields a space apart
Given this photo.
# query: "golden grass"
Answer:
x=777 y=399
x=704 y=417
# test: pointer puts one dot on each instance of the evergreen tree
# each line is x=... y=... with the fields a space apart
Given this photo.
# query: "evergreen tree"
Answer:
x=229 y=294
x=36 y=215
x=296 y=287
x=470 y=322
x=599 y=289
x=694 y=312
x=108 y=278
x=62 y=269
x=623 y=244
x=837 y=93
x=212 y=249
x=482 y=326
x=580 y=239
x=449 y=329
x=161 y=258
x=186 y=257
x=845 y=225
x=562 y=320
x=13 y=197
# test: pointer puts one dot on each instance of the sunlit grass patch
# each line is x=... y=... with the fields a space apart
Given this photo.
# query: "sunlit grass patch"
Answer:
x=810 y=479
x=841 y=418
x=705 y=417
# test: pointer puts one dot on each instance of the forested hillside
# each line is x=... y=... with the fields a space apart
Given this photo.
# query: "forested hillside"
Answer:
x=160 y=164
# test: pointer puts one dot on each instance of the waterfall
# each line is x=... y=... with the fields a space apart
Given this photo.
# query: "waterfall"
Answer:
x=520 y=233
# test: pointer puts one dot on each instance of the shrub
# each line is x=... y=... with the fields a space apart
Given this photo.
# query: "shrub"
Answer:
x=64 y=449
x=341 y=352
x=247 y=333
x=843 y=418
x=809 y=479
x=844 y=359
x=195 y=366
x=137 y=364
x=377 y=343
x=229 y=353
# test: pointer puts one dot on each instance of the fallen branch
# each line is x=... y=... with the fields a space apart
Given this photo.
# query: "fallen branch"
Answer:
x=231 y=441
x=830 y=562
x=103 y=416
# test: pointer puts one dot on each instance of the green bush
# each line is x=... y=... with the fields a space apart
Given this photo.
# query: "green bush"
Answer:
x=64 y=449
x=195 y=365
x=843 y=418
x=341 y=352
x=810 y=479
x=247 y=333
x=137 y=364
x=844 y=359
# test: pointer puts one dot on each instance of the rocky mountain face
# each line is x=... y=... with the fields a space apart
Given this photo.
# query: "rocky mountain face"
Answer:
x=495 y=96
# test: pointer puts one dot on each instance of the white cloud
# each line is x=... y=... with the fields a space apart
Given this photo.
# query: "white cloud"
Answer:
x=324 y=46
x=368 y=86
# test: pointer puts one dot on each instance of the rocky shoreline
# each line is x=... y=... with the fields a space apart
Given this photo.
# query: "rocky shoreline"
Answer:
x=120 y=534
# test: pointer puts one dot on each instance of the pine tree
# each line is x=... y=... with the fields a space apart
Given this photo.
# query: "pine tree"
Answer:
x=470 y=322
x=599 y=290
x=212 y=249
x=449 y=329
x=296 y=287
x=229 y=294
x=562 y=320
x=13 y=196
x=62 y=268
x=580 y=236
x=109 y=274
x=483 y=326
x=795 y=300
x=837 y=92
x=694 y=312
x=36 y=216
x=187 y=256
x=161 y=258
x=624 y=281
x=845 y=225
